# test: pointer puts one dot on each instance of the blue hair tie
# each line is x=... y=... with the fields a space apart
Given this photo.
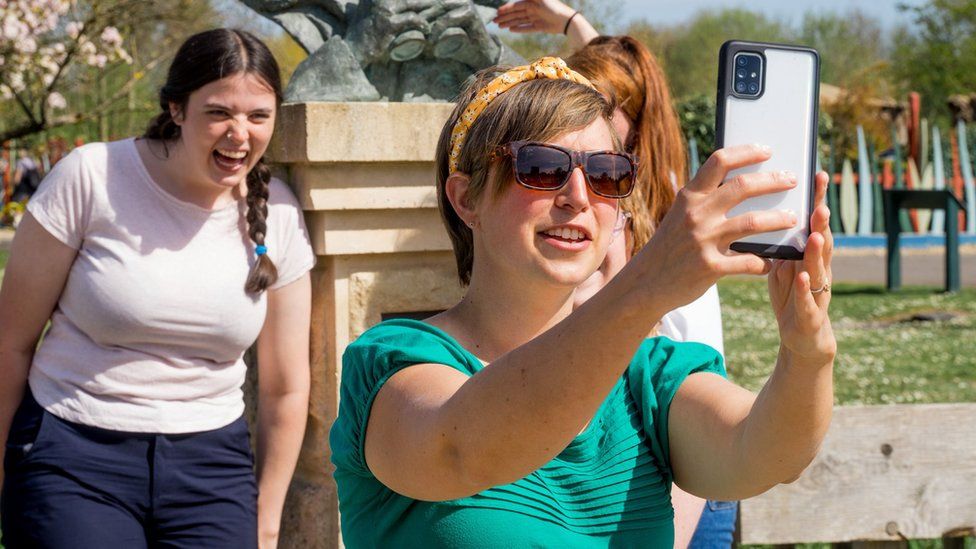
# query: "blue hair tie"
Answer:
x=261 y=249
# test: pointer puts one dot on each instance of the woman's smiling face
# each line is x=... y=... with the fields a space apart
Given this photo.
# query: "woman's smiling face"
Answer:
x=225 y=128
x=559 y=236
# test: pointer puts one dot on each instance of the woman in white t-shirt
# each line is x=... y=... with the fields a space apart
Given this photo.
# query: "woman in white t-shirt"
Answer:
x=159 y=261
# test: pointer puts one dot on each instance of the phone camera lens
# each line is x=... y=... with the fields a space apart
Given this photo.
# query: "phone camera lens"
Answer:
x=740 y=87
x=741 y=61
x=741 y=73
x=753 y=88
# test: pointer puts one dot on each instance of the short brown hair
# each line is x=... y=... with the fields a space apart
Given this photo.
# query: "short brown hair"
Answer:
x=535 y=110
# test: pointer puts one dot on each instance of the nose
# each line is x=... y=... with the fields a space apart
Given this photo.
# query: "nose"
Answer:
x=574 y=195
x=236 y=132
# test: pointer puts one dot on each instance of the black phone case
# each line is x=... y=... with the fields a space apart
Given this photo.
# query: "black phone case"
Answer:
x=725 y=60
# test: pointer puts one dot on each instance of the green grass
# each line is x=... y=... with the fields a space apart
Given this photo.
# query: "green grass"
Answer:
x=883 y=357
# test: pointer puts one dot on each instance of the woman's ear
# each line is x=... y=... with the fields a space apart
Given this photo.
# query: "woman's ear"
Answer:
x=176 y=113
x=457 y=188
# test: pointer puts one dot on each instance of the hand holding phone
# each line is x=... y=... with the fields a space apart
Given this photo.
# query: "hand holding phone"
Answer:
x=768 y=95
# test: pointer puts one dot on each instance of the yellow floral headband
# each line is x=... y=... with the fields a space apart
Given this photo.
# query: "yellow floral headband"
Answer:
x=552 y=68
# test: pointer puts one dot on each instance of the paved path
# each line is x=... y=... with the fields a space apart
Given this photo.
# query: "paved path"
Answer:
x=924 y=266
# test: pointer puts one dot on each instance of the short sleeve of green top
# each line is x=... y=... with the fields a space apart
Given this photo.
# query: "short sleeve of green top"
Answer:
x=609 y=488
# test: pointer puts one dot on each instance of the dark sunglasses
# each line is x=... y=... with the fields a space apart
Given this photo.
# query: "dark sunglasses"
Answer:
x=546 y=167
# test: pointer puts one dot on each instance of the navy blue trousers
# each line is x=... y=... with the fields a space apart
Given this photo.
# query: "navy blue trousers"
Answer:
x=70 y=485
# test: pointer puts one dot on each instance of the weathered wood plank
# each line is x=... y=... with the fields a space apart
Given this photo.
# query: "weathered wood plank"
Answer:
x=885 y=473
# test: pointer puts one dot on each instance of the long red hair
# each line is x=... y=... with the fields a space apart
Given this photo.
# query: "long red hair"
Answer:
x=624 y=68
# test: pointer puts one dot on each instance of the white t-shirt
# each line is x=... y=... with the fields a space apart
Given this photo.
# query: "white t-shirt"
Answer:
x=699 y=321
x=150 y=330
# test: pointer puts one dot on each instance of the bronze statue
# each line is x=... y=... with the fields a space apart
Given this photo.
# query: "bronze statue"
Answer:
x=396 y=50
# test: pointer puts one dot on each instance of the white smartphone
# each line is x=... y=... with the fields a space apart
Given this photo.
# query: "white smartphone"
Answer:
x=768 y=94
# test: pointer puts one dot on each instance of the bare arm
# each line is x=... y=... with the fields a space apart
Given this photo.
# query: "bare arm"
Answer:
x=548 y=16
x=283 y=386
x=32 y=284
x=430 y=434
x=727 y=443
x=687 y=513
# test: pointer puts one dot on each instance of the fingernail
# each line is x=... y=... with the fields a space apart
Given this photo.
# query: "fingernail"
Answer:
x=764 y=148
x=789 y=176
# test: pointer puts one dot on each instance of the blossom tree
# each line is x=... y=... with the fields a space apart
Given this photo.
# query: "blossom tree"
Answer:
x=41 y=41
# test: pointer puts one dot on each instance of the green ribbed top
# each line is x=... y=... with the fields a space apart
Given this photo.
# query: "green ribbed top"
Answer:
x=609 y=488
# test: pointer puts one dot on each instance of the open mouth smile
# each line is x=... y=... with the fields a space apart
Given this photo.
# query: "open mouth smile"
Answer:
x=230 y=160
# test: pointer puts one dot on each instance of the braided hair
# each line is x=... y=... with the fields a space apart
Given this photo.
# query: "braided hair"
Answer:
x=264 y=273
x=204 y=58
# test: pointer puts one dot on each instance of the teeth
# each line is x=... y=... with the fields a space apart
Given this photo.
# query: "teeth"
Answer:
x=566 y=233
x=233 y=154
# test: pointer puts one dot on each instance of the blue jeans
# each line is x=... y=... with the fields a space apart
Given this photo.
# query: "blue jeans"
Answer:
x=716 y=527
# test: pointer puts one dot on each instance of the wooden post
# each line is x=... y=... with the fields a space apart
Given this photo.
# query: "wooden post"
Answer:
x=952 y=243
x=893 y=229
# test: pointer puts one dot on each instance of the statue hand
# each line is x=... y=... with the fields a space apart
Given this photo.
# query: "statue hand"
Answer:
x=458 y=32
x=389 y=29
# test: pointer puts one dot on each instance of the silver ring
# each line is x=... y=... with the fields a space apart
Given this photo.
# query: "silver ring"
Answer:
x=820 y=290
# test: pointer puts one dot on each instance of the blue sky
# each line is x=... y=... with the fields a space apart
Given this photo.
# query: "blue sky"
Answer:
x=668 y=12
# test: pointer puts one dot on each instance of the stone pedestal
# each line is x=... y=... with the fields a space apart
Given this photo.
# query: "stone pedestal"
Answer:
x=364 y=173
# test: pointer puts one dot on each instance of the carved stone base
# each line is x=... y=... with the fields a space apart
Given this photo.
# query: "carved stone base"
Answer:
x=364 y=174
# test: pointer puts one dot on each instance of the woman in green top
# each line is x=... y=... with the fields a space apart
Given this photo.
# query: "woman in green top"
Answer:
x=511 y=420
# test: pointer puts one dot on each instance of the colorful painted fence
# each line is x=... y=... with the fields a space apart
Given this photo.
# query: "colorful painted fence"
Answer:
x=855 y=193
x=856 y=184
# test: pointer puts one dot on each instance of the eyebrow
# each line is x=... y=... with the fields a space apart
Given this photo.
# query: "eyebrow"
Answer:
x=226 y=108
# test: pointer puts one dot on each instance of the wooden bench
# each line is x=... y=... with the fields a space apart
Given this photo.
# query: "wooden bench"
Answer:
x=885 y=475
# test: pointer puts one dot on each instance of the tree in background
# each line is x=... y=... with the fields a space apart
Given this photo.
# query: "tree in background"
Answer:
x=39 y=43
x=689 y=52
x=87 y=66
x=938 y=59
x=860 y=104
x=696 y=115
x=851 y=45
x=854 y=57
